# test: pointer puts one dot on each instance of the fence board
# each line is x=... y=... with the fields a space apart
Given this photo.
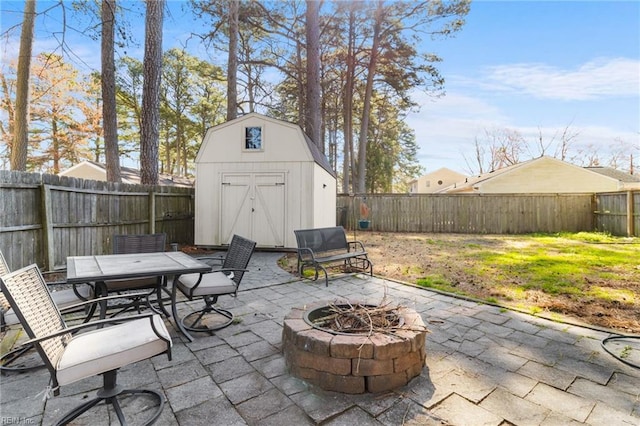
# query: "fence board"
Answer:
x=84 y=215
x=471 y=213
x=47 y=218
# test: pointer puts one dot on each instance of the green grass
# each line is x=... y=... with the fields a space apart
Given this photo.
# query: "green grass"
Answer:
x=560 y=264
x=437 y=282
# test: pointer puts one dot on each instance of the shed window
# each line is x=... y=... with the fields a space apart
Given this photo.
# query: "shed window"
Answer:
x=253 y=138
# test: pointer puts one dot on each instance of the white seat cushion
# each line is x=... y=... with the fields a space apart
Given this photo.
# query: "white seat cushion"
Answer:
x=213 y=283
x=109 y=348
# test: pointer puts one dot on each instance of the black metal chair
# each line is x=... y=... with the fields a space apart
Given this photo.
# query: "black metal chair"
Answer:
x=130 y=244
x=209 y=286
x=72 y=357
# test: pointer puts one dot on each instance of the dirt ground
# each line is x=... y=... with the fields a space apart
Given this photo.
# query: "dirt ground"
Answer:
x=408 y=257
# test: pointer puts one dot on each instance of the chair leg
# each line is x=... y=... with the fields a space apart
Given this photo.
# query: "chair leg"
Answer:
x=196 y=324
x=109 y=393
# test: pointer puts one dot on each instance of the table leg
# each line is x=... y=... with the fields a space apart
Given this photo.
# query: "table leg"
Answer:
x=174 y=309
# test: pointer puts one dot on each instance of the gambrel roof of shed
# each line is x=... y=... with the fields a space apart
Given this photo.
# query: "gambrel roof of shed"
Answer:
x=318 y=157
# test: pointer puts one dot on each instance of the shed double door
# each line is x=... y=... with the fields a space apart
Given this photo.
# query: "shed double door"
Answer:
x=253 y=206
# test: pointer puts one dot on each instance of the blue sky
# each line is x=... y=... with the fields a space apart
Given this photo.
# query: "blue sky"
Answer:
x=535 y=67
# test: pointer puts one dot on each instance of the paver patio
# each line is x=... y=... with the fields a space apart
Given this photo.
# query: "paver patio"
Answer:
x=485 y=366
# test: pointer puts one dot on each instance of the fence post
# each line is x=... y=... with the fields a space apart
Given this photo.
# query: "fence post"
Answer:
x=47 y=227
x=152 y=212
x=630 y=221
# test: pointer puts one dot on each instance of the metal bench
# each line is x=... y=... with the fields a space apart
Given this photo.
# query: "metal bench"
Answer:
x=329 y=245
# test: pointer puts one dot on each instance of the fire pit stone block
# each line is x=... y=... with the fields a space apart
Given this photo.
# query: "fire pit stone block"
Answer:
x=354 y=363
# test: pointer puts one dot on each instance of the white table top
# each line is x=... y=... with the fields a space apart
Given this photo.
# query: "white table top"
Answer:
x=82 y=269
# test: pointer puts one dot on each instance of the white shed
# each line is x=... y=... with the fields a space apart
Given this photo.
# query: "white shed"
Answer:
x=261 y=178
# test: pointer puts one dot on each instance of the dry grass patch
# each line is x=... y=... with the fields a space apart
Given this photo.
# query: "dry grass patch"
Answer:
x=589 y=277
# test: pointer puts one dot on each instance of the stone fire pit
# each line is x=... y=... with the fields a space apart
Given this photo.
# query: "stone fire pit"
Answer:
x=353 y=363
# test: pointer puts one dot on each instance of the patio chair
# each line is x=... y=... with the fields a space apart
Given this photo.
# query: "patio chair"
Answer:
x=131 y=244
x=65 y=299
x=209 y=286
x=72 y=357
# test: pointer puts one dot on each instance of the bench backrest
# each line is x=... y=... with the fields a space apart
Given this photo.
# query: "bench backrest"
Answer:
x=322 y=239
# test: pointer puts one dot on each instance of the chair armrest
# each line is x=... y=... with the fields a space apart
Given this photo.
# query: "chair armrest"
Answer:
x=211 y=259
x=228 y=270
x=221 y=257
x=308 y=251
x=92 y=324
x=102 y=299
x=356 y=244
x=54 y=283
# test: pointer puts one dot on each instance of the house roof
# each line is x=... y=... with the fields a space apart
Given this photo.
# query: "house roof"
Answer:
x=471 y=183
x=616 y=174
x=439 y=172
x=131 y=175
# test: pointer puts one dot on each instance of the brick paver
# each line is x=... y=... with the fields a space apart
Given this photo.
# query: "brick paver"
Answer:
x=485 y=366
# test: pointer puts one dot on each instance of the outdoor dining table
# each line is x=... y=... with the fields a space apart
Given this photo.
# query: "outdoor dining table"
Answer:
x=101 y=268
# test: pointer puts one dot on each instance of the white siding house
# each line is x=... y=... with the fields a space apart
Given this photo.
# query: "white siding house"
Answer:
x=261 y=178
x=98 y=171
x=539 y=175
x=435 y=181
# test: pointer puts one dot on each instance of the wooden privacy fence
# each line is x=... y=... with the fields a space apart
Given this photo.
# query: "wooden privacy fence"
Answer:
x=46 y=218
x=617 y=213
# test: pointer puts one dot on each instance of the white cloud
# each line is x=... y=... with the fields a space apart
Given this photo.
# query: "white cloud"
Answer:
x=613 y=77
x=446 y=129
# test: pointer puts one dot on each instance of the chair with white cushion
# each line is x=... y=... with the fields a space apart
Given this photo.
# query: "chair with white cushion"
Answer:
x=71 y=355
x=209 y=286
x=65 y=299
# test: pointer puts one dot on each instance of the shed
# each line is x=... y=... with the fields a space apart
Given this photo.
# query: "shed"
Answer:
x=261 y=178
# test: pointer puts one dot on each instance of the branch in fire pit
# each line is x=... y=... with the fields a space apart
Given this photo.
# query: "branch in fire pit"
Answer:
x=361 y=318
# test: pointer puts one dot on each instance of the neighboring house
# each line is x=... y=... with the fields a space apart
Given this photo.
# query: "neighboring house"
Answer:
x=261 y=178
x=96 y=171
x=539 y=175
x=435 y=181
x=628 y=181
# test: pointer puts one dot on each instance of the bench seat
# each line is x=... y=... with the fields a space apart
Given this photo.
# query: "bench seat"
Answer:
x=320 y=246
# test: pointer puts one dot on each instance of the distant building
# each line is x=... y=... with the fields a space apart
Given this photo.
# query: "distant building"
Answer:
x=435 y=181
x=541 y=175
x=96 y=171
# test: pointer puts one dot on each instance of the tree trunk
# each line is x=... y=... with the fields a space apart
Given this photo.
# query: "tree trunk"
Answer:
x=348 y=105
x=366 y=110
x=21 y=136
x=151 y=92
x=313 y=116
x=109 y=114
x=232 y=64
